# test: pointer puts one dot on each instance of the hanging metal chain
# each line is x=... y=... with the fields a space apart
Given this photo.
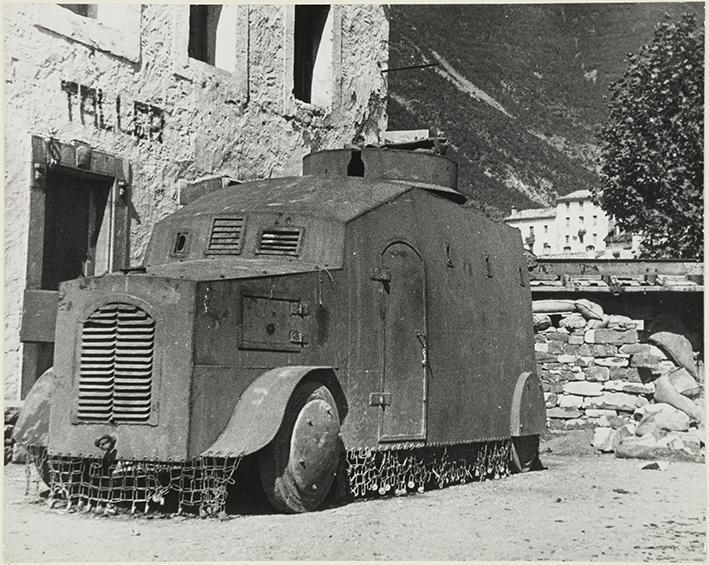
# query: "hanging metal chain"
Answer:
x=383 y=472
x=201 y=484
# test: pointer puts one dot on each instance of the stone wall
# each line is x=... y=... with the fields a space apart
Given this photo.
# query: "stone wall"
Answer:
x=591 y=377
x=642 y=400
x=134 y=93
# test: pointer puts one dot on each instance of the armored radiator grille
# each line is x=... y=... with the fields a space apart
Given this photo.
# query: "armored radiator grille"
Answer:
x=116 y=370
x=226 y=236
x=280 y=241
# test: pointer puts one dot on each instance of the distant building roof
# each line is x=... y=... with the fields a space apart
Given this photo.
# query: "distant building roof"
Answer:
x=531 y=213
x=575 y=195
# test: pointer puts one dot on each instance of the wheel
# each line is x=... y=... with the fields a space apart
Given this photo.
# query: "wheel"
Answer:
x=298 y=467
x=524 y=454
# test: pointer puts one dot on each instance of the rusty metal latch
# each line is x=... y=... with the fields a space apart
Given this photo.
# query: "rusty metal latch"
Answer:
x=380 y=274
x=380 y=399
x=301 y=338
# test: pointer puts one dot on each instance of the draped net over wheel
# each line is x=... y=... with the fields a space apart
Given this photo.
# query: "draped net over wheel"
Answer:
x=355 y=330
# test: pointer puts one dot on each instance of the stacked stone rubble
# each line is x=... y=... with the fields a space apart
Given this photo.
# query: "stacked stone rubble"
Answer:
x=597 y=374
x=591 y=376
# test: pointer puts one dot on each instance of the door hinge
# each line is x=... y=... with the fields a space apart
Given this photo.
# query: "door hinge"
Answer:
x=295 y=336
x=299 y=309
x=380 y=274
x=380 y=399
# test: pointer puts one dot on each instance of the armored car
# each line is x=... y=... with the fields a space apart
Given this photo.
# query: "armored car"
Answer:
x=357 y=325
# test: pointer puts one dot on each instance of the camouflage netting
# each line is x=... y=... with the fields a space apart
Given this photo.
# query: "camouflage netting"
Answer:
x=201 y=484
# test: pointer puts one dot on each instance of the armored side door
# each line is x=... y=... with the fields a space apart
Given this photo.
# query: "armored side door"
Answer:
x=404 y=344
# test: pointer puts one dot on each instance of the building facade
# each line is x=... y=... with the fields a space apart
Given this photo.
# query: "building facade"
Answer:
x=109 y=107
x=574 y=227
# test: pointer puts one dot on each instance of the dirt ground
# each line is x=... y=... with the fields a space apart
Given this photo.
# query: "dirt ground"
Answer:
x=582 y=507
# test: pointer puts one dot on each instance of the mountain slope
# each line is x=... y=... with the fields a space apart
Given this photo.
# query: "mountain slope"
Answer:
x=519 y=89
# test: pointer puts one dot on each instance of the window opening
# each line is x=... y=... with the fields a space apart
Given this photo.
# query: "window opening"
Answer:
x=85 y=10
x=182 y=243
x=355 y=167
x=312 y=61
x=546 y=229
x=108 y=14
x=212 y=36
x=581 y=219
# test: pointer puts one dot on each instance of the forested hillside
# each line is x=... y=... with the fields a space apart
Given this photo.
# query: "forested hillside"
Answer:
x=519 y=90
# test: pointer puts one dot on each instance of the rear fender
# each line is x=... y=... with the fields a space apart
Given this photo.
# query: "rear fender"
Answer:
x=259 y=412
x=528 y=415
x=32 y=426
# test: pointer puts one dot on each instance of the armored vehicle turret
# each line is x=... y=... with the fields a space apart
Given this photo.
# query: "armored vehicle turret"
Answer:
x=355 y=322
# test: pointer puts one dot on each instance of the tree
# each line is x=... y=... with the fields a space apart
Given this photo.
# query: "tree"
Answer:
x=652 y=145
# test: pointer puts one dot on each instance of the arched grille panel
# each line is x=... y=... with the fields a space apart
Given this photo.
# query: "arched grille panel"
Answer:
x=116 y=369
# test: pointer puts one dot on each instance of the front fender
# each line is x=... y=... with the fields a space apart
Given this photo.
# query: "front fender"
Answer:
x=259 y=412
x=32 y=426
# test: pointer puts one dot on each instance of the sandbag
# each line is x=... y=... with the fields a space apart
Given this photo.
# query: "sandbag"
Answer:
x=678 y=348
x=665 y=392
x=684 y=383
x=553 y=306
x=589 y=310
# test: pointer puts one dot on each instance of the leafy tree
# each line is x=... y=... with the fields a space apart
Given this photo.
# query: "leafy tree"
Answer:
x=652 y=145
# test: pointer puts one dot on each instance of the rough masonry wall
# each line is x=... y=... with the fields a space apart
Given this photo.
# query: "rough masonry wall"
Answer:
x=208 y=126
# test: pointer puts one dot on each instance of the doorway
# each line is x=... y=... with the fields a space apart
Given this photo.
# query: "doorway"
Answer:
x=78 y=227
x=404 y=335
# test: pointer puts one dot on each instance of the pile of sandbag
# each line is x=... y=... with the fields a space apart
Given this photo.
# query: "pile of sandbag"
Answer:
x=672 y=427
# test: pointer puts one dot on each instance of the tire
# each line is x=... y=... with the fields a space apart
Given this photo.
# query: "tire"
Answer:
x=524 y=454
x=298 y=467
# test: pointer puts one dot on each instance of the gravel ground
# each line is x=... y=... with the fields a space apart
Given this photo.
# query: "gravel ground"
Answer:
x=582 y=507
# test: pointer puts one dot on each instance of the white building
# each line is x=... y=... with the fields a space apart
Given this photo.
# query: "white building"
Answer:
x=574 y=227
x=109 y=109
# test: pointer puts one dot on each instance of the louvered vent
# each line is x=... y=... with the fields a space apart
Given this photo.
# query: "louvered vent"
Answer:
x=280 y=241
x=116 y=371
x=226 y=236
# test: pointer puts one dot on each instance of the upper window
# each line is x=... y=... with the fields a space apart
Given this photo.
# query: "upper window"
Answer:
x=581 y=219
x=212 y=35
x=546 y=229
x=114 y=28
x=313 y=48
x=212 y=40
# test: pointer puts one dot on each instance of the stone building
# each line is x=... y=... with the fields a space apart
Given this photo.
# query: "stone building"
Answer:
x=573 y=227
x=108 y=107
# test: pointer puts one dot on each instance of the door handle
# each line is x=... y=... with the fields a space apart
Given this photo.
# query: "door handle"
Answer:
x=421 y=336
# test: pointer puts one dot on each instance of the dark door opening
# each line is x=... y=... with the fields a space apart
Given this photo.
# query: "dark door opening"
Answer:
x=74 y=213
x=77 y=239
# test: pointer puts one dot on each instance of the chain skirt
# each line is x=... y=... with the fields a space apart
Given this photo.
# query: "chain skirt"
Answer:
x=201 y=484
